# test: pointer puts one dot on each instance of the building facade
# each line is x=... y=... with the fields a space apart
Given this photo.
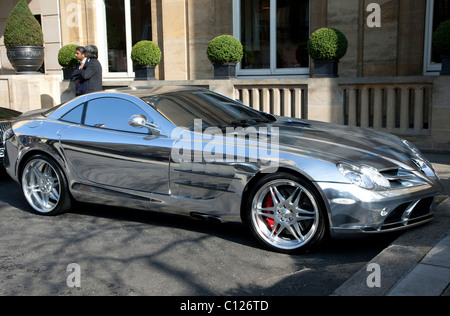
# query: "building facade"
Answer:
x=274 y=33
x=389 y=78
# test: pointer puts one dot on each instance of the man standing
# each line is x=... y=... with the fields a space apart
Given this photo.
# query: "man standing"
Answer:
x=80 y=84
x=91 y=72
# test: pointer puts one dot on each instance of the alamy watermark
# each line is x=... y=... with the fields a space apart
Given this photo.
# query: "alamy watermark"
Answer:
x=227 y=145
x=374 y=278
x=74 y=278
x=374 y=18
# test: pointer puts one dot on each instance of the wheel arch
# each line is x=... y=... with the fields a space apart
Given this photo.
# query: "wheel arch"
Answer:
x=36 y=152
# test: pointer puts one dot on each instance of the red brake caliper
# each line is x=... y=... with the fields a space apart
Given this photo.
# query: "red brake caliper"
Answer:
x=269 y=203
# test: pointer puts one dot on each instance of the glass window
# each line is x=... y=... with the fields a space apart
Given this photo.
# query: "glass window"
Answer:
x=441 y=14
x=74 y=116
x=127 y=22
x=438 y=11
x=113 y=114
x=292 y=33
x=183 y=108
x=274 y=34
x=255 y=33
x=116 y=35
x=141 y=23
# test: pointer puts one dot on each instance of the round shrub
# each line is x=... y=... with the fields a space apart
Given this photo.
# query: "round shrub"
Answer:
x=327 y=44
x=66 y=56
x=146 y=53
x=22 y=28
x=225 y=49
x=441 y=38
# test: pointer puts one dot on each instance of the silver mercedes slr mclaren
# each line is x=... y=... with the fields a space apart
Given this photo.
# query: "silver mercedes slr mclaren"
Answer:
x=193 y=152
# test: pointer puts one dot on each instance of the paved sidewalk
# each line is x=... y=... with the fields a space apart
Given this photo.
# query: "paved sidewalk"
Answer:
x=418 y=262
x=431 y=277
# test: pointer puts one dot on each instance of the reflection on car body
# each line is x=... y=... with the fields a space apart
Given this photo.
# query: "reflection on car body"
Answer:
x=6 y=117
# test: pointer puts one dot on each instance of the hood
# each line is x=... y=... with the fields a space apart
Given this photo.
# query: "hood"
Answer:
x=338 y=143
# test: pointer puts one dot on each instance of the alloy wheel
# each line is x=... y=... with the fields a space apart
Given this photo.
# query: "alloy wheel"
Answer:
x=41 y=185
x=285 y=214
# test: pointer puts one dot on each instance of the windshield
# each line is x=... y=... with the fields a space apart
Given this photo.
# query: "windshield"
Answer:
x=182 y=108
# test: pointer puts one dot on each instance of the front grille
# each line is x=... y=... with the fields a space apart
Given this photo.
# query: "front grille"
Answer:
x=419 y=209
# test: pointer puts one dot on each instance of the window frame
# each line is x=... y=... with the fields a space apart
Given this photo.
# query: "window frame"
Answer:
x=273 y=71
x=103 y=41
x=430 y=68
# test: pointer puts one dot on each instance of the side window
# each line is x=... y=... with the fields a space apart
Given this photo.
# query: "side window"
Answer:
x=74 y=116
x=113 y=114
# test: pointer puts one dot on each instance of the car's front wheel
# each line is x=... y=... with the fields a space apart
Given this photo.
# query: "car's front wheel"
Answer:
x=44 y=186
x=285 y=214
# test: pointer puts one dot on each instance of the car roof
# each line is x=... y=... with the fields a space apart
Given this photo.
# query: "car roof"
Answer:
x=150 y=91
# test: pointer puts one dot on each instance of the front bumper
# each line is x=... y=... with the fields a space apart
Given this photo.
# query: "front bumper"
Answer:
x=356 y=210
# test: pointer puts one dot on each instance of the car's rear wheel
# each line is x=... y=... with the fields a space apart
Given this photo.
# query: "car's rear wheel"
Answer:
x=44 y=186
x=285 y=213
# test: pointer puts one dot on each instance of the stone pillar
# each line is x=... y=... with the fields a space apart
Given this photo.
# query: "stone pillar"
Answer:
x=325 y=101
x=440 y=113
x=175 y=38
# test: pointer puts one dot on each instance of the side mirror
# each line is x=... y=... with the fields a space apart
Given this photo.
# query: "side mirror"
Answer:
x=140 y=121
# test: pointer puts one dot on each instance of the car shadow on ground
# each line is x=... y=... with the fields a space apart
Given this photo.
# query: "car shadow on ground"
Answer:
x=238 y=233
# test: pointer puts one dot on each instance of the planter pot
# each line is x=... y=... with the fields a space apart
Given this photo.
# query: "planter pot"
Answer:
x=326 y=68
x=224 y=71
x=67 y=73
x=144 y=73
x=445 y=65
x=26 y=59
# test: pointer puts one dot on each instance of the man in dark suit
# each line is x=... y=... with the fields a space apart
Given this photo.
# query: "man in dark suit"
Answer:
x=80 y=84
x=91 y=72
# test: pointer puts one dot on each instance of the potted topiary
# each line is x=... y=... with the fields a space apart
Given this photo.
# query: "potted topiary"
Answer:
x=24 y=40
x=67 y=60
x=145 y=55
x=224 y=52
x=441 y=44
x=326 y=47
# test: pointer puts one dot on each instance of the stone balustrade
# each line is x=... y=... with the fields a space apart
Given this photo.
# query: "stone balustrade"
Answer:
x=416 y=108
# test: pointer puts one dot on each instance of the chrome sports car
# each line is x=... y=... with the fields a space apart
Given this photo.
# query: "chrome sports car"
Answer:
x=191 y=151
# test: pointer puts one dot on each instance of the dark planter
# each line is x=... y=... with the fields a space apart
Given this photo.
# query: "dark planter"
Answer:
x=224 y=71
x=445 y=65
x=326 y=68
x=144 y=73
x=26 y=59
x=67 y=73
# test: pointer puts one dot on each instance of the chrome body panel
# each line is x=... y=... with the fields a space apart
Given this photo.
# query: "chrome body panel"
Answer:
x=7 y=116
x=137 y=170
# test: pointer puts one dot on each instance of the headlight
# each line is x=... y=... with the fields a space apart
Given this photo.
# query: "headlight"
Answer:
x=364 y=176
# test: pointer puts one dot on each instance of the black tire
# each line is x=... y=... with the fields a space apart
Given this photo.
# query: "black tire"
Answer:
x=285 y=213
x=45 y=186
